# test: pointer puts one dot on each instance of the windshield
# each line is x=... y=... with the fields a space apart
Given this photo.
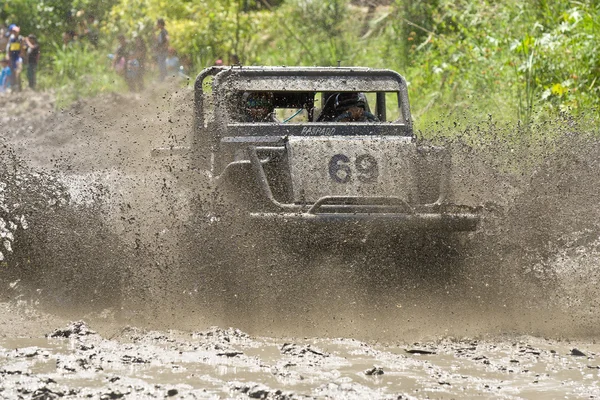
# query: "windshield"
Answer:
x=315 y=107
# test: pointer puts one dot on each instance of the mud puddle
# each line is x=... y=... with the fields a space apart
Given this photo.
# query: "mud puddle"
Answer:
x=73 y=361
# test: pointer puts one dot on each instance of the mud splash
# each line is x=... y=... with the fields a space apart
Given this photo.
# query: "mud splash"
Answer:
x=534 y=257
x=96 y=225
x=516 y=274
x=530 y=269
x=51 y=242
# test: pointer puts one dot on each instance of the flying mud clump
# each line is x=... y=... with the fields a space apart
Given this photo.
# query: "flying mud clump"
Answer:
x=50 y=251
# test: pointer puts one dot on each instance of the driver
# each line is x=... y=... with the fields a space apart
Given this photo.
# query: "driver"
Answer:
x=258 y=107
x=346 y=107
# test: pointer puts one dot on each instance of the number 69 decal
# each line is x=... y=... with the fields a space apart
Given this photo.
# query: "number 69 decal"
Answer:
x=365 y=166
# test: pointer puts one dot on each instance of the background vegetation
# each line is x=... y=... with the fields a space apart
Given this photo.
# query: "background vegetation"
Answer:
x=517 y=62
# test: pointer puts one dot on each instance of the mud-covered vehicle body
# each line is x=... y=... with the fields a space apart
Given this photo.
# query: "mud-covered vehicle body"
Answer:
x=303 y=174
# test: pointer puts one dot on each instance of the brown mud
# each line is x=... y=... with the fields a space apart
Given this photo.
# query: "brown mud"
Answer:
x=98 y=228
x=73 y=361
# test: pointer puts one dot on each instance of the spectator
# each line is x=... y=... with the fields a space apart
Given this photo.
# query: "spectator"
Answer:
x=14 y=47
x=219 y=62
x=137 y=64
x=141 y=51
x=172 y=62
x=3 y=40
x=17 y=74
x=234 y=60
x=185 y=63
x=33 y=56
x=68 y=38
x=161 y=49
x=4 y=74
x=119 y=63
x=90 y=31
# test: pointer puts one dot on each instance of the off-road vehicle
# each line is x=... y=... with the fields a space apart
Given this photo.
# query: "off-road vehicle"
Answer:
x=320 y=198
x=315 y=151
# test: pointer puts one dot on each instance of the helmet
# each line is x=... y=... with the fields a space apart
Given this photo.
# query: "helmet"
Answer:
x=258 y=105
x=342 y=103
x=258 y=99
x=344 y=100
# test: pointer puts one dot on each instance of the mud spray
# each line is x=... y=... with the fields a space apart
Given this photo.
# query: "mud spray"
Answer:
x=90 y=221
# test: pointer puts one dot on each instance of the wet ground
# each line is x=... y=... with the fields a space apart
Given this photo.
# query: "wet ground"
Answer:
x=123 y=361
x=519 y=321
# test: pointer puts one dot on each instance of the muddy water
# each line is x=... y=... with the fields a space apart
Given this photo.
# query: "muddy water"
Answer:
x=516 y=318
x=73 y=360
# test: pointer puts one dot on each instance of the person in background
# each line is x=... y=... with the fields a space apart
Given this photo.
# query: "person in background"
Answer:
x=172 y=62
x=4 y=33
x=4 y=74
x=33 y=56
x=68 y=38
x=137 y=64
x=234 y=60
x=17 y=74
x=14 y=48
x=90 y=31
x=119 y=63
x=185 y=63
x=161 y=49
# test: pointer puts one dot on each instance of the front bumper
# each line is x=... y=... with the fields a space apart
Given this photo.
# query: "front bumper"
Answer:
x=362 y=213
x=382 y=222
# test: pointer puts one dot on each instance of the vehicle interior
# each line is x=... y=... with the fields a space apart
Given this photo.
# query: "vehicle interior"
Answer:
x=317 y=107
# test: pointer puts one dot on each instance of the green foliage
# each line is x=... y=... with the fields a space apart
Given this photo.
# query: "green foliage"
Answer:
x=308 y=32
x=200 y=31
x=523 y=62
x=517 y=61
x=48 y=19
x=321 y=39
x=77 y=72
x=49 y=16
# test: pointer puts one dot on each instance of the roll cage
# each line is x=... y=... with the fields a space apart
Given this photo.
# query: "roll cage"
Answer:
x=297 y=87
